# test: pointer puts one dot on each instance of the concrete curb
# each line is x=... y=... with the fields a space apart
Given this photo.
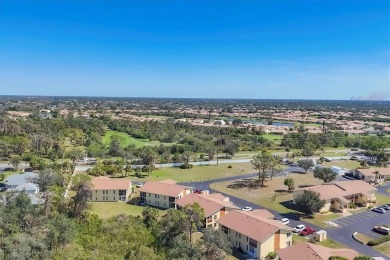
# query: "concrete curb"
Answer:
x=356 y=239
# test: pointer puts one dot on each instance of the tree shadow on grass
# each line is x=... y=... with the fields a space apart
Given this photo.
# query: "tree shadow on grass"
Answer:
x=293 y=215
x=245 y=183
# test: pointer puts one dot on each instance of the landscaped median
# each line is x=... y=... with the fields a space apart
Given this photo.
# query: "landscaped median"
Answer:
x=361 y=238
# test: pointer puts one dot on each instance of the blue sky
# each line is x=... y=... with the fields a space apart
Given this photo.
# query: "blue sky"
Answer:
x=214 y=49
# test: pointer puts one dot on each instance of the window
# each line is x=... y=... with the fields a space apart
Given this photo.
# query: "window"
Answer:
x=236 y=233
x=288 y=234
x=236 y=242
x=215 y=224
x=247 y=239
x=239 y=235
x=165 y=197
x=239 y=244
x=215 y=216
x=246 y=248
x=288 y=243
x=149 y=194
x=164 y=204
x=155 y=196
x=114 y=197
x=113 y=191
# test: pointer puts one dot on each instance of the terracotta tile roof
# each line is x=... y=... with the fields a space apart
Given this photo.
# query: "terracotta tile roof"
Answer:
x=207 y=202
x=370 y=172
x=310 y=251
x=263 y=213
x=342 y=189
x=162 y=188
x=105 y=183
x=248 y=224
x=217 y=196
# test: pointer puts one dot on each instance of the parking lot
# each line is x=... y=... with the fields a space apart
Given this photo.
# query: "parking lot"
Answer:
x=361 y=223
x=364 y=222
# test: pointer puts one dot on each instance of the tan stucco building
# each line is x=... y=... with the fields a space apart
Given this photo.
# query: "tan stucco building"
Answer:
x=163 y=194
x=110 y=189
x=255 y=234
x=373 y=175
x=339 y=195
x=214 y=205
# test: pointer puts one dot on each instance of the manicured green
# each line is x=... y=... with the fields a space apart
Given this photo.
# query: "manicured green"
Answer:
x=198 y=173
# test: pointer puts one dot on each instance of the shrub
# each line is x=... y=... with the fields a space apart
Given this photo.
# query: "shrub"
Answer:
x=186 y=166
x=271 y=255
x=337 y=258
x=379 y=240
x=352 y=205
x=229 y=166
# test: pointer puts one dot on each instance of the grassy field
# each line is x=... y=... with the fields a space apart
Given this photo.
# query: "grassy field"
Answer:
x=269 y=197
x=382 y=199
x=327 y=242
x=200 y=172
x=384 y=248
x=349 y=164
x=110 y=209
x=129 y=140
x=277 y=139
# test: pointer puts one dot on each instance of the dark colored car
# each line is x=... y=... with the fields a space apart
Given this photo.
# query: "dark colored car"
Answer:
x=307 y=231
x=198 y=191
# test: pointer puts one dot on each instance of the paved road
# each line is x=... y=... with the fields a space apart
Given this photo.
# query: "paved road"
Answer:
x=362 y=222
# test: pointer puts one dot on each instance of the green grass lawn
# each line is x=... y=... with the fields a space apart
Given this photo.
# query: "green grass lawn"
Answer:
x=277 y=139
x=330 y=243
x=382 y=199
x=130 y=140
x=110 y=209
x=198 y=173
x=365 y=239
x=384 y=248
x=349 y=164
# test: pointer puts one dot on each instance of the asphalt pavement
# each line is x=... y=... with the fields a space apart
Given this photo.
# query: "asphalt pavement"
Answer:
x=346 y=226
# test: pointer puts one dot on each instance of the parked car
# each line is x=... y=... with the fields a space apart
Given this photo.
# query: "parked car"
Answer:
x=354 y=157
x=379 y=210
x=382 y=230
x=299 y=228
x=247 y=209
x=285 y=221
x=307 y=231
x=386 y=207
x=139 y=185
x=198 y=191
x=355 y=149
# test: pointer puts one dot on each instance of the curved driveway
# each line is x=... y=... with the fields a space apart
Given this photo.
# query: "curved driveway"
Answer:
x=343 y=234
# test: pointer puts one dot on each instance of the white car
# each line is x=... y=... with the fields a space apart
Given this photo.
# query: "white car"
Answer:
x=299 y=228
x=139 y=185
x=285 y=221
x=247 y=209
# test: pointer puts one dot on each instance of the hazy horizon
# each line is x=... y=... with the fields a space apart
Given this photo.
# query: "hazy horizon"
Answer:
x=321 y=50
